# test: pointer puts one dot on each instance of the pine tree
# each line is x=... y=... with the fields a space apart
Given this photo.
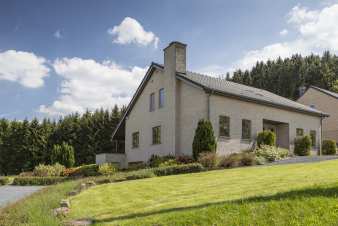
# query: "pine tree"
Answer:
x=204 y=139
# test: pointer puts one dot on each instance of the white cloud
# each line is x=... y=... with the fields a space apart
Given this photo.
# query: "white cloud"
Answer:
x=317 y=30
x=58 y=34
x=283 y=32
x=131 y=31
x=88 y=84
x=25 y=68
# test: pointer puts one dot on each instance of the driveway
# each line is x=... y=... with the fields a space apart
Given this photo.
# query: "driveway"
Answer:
x=10 y=194
x=305 y=159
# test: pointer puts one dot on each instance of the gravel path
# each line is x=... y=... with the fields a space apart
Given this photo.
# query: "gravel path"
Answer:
x=305 y=159
x=10 y=194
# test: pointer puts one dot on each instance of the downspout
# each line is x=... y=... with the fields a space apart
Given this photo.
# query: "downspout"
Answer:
x=209 y=92
x=321 y=135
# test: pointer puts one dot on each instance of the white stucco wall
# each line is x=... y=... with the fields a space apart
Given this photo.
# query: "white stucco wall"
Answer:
x=142 y=120
x=238 y=110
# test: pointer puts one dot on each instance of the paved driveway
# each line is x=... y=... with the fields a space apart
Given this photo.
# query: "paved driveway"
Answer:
x=10 y=194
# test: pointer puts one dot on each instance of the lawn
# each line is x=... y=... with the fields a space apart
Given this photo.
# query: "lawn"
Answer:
x=298 y=194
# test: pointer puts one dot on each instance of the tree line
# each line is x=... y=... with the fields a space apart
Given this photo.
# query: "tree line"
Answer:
x=284 y=77
x=25 y=144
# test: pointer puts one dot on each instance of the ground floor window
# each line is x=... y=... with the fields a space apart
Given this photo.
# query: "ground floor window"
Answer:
x=246 y=129
x=299 y=132
x=224 y=126
x=135 y=139
x=313 y=137
x=157 y=135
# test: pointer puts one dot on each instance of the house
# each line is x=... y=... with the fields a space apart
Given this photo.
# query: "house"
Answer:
x=163 y=114
x=327 y=101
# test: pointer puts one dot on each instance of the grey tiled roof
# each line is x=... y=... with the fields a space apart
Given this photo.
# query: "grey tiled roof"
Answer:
x=333 y=94
x=248 y=93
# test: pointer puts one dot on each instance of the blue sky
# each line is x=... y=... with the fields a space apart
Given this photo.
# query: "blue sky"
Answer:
x=57 y=57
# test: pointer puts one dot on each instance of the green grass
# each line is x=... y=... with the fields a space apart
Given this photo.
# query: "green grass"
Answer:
x=298 y=194
x=36 y=210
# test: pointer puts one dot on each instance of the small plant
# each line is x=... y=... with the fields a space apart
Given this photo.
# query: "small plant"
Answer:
x=204 y=139
x=271 y=153
x=85 y=171
x=156 y=160
x=329 y=147
x=266 y=137
x=184 y=159
x=48 y=170
x=208 y=159
x=302 y=146
x=5 y=180
x=170 y=162
x=238 y=159
x=107 y=169
x=63 y=154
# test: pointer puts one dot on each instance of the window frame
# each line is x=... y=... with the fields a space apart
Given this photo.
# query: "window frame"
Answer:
x=313 y=141
x=137 y=144
x=156 y=140
x=161 y=100
x=152 y=102
x=220 y=129
x=250 y=129
x=299 y=129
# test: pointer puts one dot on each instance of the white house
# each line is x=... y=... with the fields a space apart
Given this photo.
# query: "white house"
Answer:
x=163 y=114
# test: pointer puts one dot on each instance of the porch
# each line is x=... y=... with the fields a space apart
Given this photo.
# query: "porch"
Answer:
x=281 y=129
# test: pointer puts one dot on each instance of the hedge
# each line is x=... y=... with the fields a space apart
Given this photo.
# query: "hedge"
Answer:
x=38 y=180
x=5 y=180
x=329 y=147
x=178 y=169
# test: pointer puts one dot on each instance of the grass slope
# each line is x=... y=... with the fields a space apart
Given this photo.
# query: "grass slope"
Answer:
x=298 y=194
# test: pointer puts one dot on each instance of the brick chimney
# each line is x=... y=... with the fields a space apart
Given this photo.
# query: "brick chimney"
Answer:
x=175 y=57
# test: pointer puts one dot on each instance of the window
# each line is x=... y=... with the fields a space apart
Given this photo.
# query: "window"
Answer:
x=246 y=129
x=152 y=102
x=157 y=135
x=313 y=137
x=135 y=139
x=224 y=126
x=299 y=132
x=161 y=98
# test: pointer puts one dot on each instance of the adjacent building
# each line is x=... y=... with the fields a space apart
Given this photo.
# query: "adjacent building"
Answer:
x=163 y=114
x=326 y=101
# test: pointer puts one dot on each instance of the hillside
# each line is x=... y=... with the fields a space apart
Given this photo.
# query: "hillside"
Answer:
x=298 y=194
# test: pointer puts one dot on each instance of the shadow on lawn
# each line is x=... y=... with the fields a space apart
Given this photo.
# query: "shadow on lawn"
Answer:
x=320 y=191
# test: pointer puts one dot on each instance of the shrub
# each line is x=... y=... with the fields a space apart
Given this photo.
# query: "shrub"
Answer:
x=5 y=180
x=184 y=159
x=170 y=162
x=302 y=146
x=238 y=159
x=266 y=137
x=85 y=171
x=179 y=169
x=48 y=170
x=271 y=153
x=209 y=159
x=22 y=181
x=107 y=169
x=63 y=154
x=136 y=165
x=329 y=147
x=204 y=139
x=26 y=174
x=156 y=160
x=139 y=174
